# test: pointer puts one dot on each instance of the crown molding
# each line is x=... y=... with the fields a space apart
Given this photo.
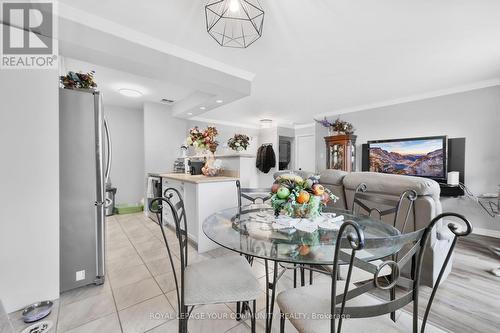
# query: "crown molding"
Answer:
x=299 y=126
x=413 y=98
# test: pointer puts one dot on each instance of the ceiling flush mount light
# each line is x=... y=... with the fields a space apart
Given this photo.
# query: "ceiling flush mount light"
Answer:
x=130 y=92
x=202 y=108
x=234 y=23
x=219 y=101
x=266 y=123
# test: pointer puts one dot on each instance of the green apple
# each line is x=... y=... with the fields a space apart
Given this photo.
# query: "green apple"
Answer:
x=283 y=192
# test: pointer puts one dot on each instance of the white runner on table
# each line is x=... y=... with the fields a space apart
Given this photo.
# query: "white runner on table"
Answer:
x=327 y=221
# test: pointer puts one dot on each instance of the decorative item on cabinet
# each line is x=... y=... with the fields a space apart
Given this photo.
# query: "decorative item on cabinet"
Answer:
x=239 y=142
x=338 y=127
x=341 y=152
x=80 y=80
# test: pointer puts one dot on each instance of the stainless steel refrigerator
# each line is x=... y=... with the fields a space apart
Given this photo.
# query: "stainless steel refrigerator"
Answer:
x=84 y=162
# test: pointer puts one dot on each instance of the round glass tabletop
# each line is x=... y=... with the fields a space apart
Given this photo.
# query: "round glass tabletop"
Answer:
x=256 y=233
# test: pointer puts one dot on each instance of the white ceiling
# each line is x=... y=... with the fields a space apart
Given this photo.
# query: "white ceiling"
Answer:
x=110 y=81
x=326 y=56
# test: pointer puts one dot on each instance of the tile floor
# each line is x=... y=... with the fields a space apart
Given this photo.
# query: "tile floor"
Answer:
x=139 y=293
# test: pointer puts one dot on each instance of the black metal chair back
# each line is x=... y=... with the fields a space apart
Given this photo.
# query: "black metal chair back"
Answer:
x=254 y=195
x=370 y=201
x=156 y=206
x=414 y=257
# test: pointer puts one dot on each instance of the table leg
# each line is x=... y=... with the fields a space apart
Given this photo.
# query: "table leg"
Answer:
x=270 y=286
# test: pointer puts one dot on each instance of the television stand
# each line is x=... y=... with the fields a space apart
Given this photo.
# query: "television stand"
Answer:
x=451 y=190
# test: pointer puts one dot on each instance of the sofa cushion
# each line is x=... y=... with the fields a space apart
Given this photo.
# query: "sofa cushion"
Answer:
x=333 y=177
x=392 y=184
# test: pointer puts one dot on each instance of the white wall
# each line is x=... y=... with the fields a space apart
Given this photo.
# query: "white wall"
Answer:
x=163 y=136
x=474 y=115
x=29 y=191
x=127 y=169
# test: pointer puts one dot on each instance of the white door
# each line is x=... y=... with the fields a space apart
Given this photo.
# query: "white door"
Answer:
x=306 y=153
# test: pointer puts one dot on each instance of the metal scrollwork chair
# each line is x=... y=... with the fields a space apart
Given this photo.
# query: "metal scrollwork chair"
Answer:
x=254 y=195
x=222 y=280
x=369 y=202
x=344 y=307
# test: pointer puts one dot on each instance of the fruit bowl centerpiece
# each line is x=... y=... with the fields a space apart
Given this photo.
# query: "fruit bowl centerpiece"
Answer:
x=299 y=198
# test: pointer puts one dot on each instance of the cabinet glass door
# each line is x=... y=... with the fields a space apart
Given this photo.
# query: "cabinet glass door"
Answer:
x=337 y=156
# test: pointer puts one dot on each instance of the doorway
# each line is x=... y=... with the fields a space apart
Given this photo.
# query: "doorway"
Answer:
x=305 y=156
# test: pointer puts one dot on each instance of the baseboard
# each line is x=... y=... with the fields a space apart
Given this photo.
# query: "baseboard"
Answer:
x=486 y=232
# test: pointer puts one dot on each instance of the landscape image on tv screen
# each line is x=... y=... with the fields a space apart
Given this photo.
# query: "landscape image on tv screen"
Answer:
x=418 y=157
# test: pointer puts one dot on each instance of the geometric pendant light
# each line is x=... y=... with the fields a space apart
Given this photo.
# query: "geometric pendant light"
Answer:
x=234 y=23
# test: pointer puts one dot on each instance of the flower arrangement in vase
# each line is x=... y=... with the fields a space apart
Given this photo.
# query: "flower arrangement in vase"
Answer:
x=299 y=198
x=239 y=142
x=203 y=139
x=337 y=127
x=74 y=80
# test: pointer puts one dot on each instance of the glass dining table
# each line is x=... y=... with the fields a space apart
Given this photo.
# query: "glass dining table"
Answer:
x=253 y=232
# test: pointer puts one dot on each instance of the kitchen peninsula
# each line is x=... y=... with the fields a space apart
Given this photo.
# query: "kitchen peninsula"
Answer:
x=203 y=196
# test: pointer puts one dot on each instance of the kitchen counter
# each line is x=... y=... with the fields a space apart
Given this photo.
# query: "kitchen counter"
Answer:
x=203 y=196
x=197 y=179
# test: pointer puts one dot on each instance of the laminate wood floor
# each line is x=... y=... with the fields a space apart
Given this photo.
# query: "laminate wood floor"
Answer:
x=469 y=299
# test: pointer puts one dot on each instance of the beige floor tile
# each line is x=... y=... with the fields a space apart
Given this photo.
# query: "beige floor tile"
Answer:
x=118 y=244
x=108 y=324
x=241 y=328
x=135 y=293
x=84 y=311
x=139 y=234
x=81 y=293
x=171 y=326
x=128 y=275
x=220 y=252
x=123 y=262
x=121 y=252
x=149 y=243
x=166 y=282
x=146 y=315
x=214 y=318
x=162 y=266
x=153 y=254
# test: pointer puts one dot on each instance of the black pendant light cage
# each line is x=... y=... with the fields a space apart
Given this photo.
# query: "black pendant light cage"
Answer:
x=234 y=23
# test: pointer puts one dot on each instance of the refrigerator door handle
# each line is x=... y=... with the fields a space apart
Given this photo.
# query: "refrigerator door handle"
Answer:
x=109 y=149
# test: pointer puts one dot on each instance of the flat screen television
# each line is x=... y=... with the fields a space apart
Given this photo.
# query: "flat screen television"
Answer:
x=424 y=157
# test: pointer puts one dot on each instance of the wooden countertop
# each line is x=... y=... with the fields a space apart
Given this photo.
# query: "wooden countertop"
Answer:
x=197 y=179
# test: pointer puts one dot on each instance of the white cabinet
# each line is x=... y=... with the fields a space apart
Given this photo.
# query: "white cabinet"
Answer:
x=201 y=199
x=179 y=186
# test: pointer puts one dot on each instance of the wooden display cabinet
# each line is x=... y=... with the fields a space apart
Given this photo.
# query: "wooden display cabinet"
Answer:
x=341 y=152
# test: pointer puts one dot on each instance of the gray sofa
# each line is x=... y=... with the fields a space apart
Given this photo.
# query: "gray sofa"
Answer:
x=427 y=206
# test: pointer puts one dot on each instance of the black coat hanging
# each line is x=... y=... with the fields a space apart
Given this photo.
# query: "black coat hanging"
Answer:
x=266 y=159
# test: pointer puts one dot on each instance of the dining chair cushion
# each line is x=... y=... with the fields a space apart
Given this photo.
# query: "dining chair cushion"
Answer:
x=221 y=280
x=308 y=309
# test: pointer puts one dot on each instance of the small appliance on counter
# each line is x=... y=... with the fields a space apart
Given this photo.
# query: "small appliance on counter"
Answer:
x=179 y=165
x=196 y=166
